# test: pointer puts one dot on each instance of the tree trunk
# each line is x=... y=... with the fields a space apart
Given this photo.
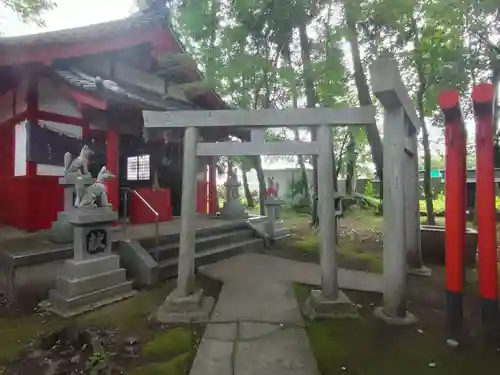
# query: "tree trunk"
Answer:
x=305 y=51
x=300 y=158
x=211 y=64
x=431 y=220
x=364 y=98
x=303 y=171
x=350 y=176
x=248 y=193
x=495 y=79
x=257 y=162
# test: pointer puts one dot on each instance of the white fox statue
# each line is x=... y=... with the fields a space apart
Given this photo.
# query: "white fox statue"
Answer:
x=79 y=165
x=94 y=195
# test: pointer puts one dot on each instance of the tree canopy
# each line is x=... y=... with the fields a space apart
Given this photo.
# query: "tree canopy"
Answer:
x=29 y=10
x=282 y=53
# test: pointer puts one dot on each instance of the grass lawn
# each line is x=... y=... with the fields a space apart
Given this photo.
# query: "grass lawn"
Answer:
x=161 y=349
x=360 y=241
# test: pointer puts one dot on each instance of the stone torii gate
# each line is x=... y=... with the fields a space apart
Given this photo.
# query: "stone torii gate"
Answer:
x=400 y=185
x=258 y=121
x=402 y=243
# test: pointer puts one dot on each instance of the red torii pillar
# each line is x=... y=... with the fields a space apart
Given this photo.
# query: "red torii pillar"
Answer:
x=455 y=187
x=483 y=98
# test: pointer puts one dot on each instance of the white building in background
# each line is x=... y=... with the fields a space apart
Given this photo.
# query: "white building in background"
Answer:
x=284 y=177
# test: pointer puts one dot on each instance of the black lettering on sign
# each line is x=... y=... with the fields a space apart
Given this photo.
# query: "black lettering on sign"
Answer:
x=97 y=241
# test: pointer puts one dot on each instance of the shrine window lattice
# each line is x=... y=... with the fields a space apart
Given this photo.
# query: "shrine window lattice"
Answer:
x=138 y=168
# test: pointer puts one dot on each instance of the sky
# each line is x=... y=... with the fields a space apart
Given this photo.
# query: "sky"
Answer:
x=68 y=14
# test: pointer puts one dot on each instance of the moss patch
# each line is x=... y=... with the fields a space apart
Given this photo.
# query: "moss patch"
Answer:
x=126 y=319
x=309 y=243
x=176 y=366
x=17 y=333
x=361 y=256
x=360 y=348
x=129 y=314
x=169 y=343
x=369 y=347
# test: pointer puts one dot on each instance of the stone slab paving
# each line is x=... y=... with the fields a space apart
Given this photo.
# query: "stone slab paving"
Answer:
x=256 y=327
x=251 y=268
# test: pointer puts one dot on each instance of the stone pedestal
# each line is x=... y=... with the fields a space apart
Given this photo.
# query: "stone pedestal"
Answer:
x=405 y=319
x=62 y=230
x=275 y=227
x=93 y=278
x=194 y=308
x=233 y=208
x=319 y=306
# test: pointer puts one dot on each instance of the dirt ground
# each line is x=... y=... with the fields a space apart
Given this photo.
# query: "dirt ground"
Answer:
x=117 y=339
x=360 y=241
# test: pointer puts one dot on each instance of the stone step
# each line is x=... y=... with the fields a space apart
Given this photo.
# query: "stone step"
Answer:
x=203 y=232
x=168 y=268
x=282 y=237
x=70 y=288
x=89 y=301
x=170 y=251
x=281 y=234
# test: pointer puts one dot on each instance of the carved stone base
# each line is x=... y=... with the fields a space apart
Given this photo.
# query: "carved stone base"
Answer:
x=180 y=309
x=233 y=210
x=85 y=285
x=408 y=319
x=422 y=271
x=277 y=229
x=317 y=306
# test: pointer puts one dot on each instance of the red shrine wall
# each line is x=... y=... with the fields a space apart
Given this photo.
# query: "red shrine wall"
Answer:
x=20 y=200
x=30 y=196
x=27 y=201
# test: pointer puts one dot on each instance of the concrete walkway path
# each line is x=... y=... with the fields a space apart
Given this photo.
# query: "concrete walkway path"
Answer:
x=256 y=327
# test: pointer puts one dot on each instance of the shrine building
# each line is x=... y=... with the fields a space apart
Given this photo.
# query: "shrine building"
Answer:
x=88 y=86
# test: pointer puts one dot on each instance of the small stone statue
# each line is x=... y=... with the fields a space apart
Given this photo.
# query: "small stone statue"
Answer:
x=94 y=195
x=232 y=186
x=272 y=187
x=80 y=165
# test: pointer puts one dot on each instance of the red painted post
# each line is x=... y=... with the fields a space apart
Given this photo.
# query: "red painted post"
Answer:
x=112 y=163
x=483 y=96
x=213 y=186
x=201 y=191
x=455 y=195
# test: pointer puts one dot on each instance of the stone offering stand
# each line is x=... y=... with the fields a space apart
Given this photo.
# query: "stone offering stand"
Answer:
x=275 y=226
x=93 y=278
x=62 y=230
x=233 y=208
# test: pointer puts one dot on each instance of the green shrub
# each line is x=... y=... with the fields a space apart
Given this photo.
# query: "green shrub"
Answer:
x=369 y=190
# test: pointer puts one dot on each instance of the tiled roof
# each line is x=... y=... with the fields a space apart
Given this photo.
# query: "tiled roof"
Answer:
x=100 y=30
x=141 y=20
x=121 y=93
